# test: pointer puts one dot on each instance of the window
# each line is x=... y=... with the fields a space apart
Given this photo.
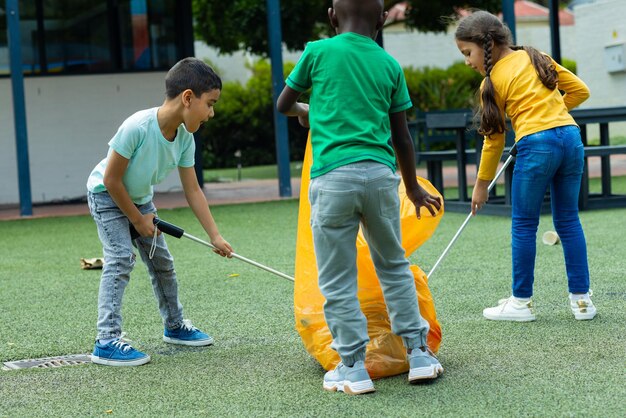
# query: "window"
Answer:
x=95 y=36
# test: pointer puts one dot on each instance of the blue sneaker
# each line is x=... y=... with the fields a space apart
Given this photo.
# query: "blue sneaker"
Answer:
x=423 y=365
x=187 y=334
x=351 y=380
x=118 y=353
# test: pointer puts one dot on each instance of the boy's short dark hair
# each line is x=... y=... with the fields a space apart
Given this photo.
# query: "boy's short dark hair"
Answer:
x=191 y=73
x=368 y=10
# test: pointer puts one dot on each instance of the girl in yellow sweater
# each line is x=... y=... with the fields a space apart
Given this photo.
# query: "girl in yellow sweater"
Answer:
x=526 y=85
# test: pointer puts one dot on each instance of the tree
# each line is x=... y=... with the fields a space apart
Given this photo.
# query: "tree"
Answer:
x=431 y=16
x=242 y=24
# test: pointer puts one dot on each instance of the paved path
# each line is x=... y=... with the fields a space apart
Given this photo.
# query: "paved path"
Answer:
x=216 y=193
x=257 y=191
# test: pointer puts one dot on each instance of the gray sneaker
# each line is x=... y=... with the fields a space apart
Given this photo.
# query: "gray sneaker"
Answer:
x=352 y=380
x=423 y=365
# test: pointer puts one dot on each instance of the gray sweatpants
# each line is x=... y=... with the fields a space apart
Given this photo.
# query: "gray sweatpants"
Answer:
x=363 y=193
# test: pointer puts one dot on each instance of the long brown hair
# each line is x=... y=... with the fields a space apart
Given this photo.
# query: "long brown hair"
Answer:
x=486 y=30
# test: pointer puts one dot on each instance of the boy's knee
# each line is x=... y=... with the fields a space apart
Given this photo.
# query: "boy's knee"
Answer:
x=122 y=263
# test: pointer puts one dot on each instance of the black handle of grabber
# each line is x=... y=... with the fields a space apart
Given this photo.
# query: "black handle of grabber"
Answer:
x=168 y=228
x=163 y=226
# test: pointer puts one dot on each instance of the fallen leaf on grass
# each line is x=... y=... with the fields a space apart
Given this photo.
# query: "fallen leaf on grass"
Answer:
x=233 y=275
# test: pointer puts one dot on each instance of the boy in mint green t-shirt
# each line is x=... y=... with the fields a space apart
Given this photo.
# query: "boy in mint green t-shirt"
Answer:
x=358 y=131
x=146 y=148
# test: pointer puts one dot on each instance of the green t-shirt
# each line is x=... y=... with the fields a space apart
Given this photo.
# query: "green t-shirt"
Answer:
x=355 y=85
x=151 y=156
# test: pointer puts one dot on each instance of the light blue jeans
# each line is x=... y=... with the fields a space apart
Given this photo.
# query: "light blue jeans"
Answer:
x=553 y=158
x=119 y=260
x=364 y=193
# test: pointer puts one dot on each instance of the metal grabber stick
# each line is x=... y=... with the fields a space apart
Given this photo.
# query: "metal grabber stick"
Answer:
x=178 y=232
x=508 y=161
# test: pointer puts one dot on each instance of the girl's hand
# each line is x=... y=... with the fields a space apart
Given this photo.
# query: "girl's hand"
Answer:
x=421 y=197
x=480 y=195
x=222 y=247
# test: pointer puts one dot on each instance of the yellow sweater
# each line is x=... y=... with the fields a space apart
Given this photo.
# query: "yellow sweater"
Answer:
x=530 y=105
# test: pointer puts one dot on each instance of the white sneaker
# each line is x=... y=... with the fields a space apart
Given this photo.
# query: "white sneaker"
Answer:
x=582 y=306
x=511 y=309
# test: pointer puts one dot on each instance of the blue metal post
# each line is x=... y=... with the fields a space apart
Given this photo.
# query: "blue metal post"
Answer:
x=508 y=15
x=19 y=107
x=555 y=36
x=280 y=121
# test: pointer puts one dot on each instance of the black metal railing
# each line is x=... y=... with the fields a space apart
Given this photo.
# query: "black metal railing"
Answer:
x=447 y=136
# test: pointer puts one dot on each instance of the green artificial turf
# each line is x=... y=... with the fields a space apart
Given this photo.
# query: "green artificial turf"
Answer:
x=555 y=366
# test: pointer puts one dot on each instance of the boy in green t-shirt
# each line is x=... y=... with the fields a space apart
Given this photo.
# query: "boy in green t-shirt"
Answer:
x=358 y=103
x=146 y=148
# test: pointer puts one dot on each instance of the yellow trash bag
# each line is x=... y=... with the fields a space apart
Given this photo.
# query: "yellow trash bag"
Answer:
x=386 y=355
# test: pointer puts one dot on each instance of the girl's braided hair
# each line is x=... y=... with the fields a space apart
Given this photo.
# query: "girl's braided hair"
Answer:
x=486 y=30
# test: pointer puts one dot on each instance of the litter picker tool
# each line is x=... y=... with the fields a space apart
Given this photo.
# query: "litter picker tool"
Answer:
x=508 y=161
x=178 y=232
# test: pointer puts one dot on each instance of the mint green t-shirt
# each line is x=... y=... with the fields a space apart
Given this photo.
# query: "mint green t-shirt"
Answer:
x=151 y=156
x=355 y=85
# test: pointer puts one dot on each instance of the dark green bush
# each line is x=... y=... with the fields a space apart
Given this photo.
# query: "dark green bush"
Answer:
x=244 y=114
x=244 y=120
x=569 y=64
x=436 y=89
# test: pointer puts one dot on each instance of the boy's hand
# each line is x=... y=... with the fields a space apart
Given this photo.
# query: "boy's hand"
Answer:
x=480 y=195
x=288 y=104
x=222 y=247
x=303 y=117
x=145 y=225
x=421 y=197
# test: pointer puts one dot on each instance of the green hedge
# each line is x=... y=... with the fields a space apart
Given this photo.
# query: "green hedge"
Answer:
x=569 y=64
x=244 y=120
x=436 y=89
x=244 y=114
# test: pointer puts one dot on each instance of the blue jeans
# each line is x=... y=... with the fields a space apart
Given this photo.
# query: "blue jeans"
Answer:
x=554 y=158
x=364 y=193
x=119 y=260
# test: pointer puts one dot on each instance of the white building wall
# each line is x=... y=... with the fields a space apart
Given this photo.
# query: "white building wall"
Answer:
x=539 y=36
x=417 y=49
x=70 y=120
x=598 y=25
